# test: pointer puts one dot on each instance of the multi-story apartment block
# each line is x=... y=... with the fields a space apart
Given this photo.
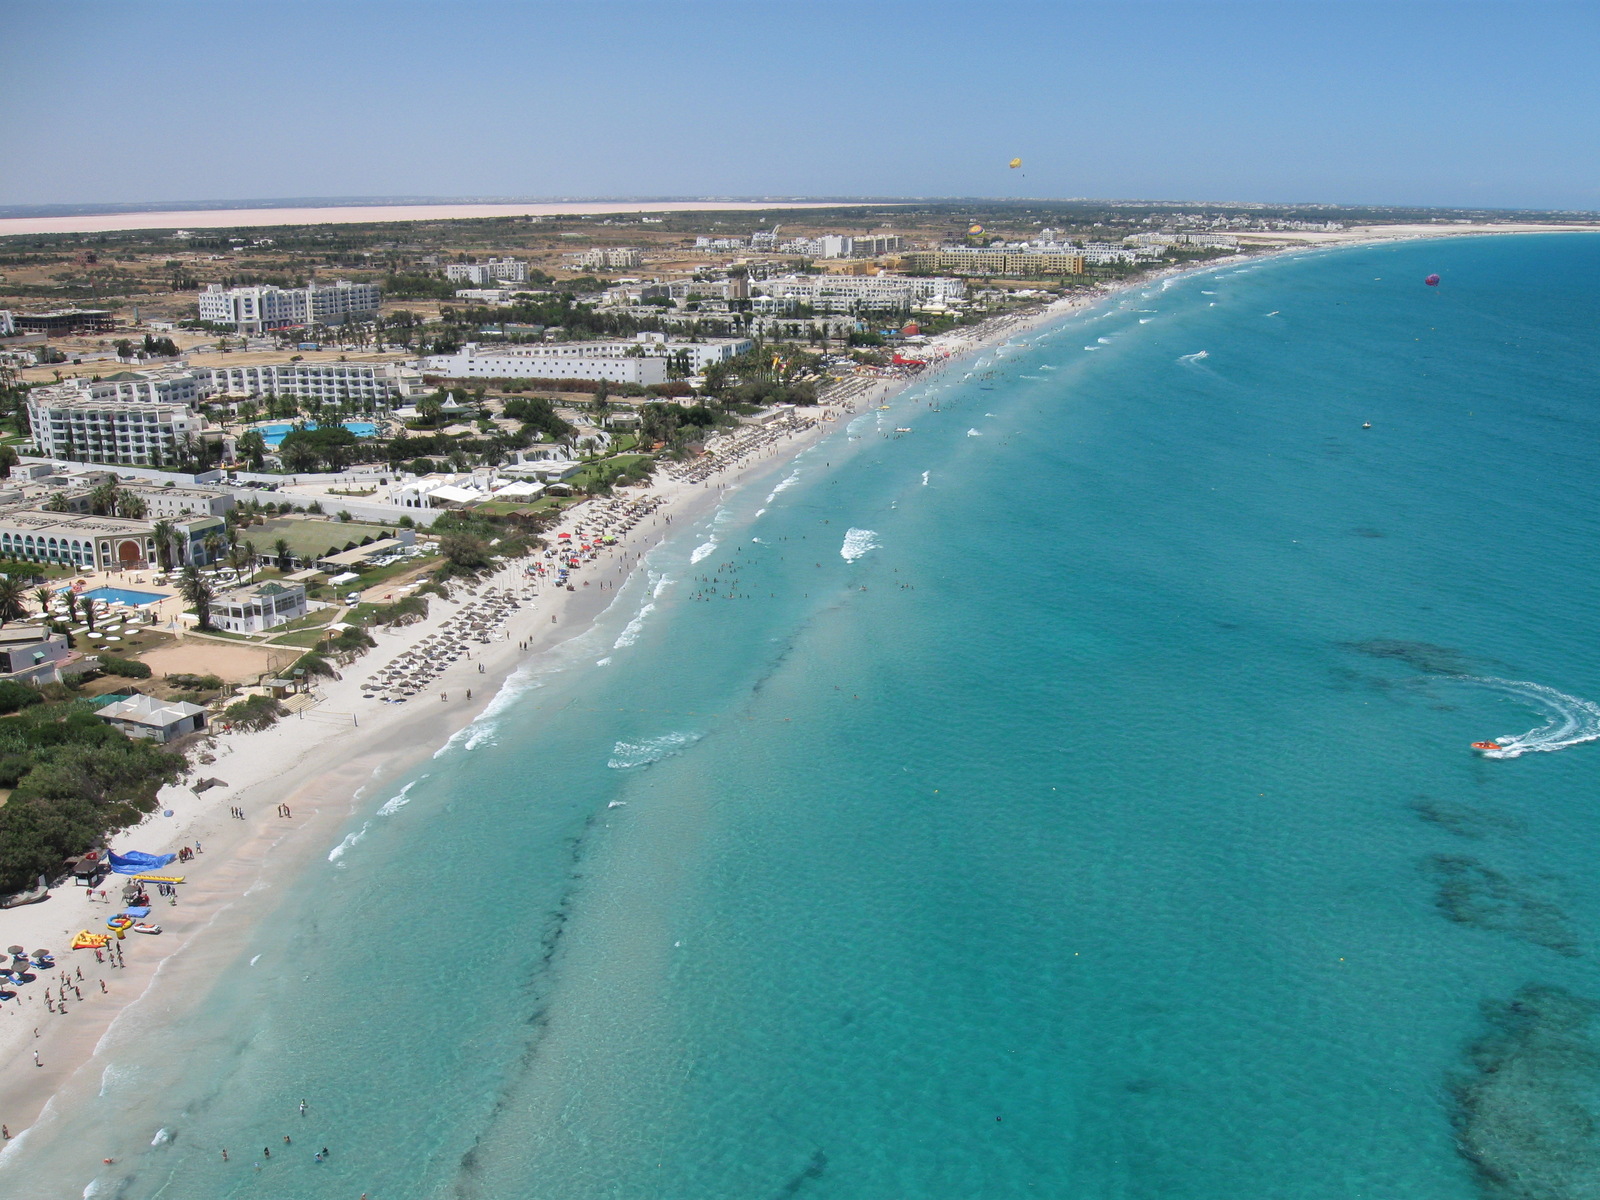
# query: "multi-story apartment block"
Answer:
x=611 y=257
x=503 y=270
x=475 y=362
x=70 y=423
x=364 y=385
x=996 y=262
x=644 y=360
x=257 y=309
x=856 y=293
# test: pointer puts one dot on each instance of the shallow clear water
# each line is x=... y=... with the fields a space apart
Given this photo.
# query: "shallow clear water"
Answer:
x=1069 y=798
x=273 y=435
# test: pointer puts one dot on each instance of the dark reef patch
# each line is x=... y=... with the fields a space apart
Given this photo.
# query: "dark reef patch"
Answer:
x=1461 y=819
x=1527 y=1103
x=813 y=1170
x=1473 y=894
x=1419 y=656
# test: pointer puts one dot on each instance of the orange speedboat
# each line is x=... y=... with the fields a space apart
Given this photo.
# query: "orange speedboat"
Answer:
x=1487 y=746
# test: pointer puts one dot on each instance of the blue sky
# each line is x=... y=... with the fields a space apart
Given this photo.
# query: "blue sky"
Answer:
x=1402 y=102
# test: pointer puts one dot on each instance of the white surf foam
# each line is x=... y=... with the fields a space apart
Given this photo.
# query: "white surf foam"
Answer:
x=627 y=755
x=1569 y=721
x=1197 y=356
x=1104 y=341
x=703 y=549
x=350 y=840
x=1145 y=320
x=925 y=475
x=400 y=799
x=857 y=542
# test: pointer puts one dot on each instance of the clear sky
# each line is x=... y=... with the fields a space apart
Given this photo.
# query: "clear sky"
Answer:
x=1406 y=101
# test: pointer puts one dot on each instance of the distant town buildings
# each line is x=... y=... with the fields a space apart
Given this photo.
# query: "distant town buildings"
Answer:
x=502 y=270
x=258 y=309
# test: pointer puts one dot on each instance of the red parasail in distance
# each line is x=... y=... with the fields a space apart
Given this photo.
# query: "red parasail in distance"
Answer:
x=1432 y=281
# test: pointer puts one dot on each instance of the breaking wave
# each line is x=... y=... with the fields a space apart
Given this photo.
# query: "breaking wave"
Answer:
x=350 y=840
x=857 y=542
x=703 y=549
x=974 y=433
x=1197 y=356
x=1569 y=721
x=400 y=799
x=787 y=482
x=627 y=755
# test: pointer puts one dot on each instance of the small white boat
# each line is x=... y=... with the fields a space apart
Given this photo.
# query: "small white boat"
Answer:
x=141 y=927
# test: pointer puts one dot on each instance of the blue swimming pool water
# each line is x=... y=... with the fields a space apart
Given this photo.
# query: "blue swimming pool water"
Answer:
x=273 y=435
x=113 y=595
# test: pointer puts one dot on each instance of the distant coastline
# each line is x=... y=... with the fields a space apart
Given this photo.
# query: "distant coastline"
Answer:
x=109 y=219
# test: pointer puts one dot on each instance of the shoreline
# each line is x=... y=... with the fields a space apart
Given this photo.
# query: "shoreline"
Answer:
x=325 y=763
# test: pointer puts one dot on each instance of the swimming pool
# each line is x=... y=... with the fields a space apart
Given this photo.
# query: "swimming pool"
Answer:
x=113 y=595
x=273 y=435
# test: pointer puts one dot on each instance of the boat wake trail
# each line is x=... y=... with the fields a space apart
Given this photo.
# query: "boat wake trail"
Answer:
x=1569 y=721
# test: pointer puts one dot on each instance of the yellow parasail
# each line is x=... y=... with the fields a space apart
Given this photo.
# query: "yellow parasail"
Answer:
x=975 y=229
x=1015 y=163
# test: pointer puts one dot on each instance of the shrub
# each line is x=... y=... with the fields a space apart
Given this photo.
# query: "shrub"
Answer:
x=126 y=667
x=15 y=696
x=254 y=712
x=202 y=683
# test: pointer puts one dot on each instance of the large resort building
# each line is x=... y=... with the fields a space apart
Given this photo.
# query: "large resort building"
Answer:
x=258 y=309
x=96 y=543
x=70 y=422
x=649 y=358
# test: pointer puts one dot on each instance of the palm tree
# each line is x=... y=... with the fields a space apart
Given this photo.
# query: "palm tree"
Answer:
x=42 y=597
x=198 y=593
x=250 y=557
x=213 y=545
x=58 y=503
x=12 y=590
x=103 y=499
x=130 y=506
x=165 y=534
x=280 y=549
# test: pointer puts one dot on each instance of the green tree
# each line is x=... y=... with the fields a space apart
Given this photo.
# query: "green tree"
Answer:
x=42 y=597
x=12 y=591
x=165 y=534
x=129 y=505
x=280 y=550
x=8 y=460
x=199 y=595
x=254 y=448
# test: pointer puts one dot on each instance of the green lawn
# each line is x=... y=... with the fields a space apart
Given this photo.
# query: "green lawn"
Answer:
x=310 y=538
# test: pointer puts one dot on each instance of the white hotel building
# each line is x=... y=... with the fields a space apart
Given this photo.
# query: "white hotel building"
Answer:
x=256 y=309
x=642 y=361
x=364 y=385
x=89 y=422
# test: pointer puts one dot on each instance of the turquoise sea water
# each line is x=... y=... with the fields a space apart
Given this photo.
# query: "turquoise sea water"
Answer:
x=1069 y=798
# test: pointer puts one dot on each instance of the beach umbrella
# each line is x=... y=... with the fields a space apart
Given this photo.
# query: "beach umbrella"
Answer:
x=16 y=951
x=41 y=954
